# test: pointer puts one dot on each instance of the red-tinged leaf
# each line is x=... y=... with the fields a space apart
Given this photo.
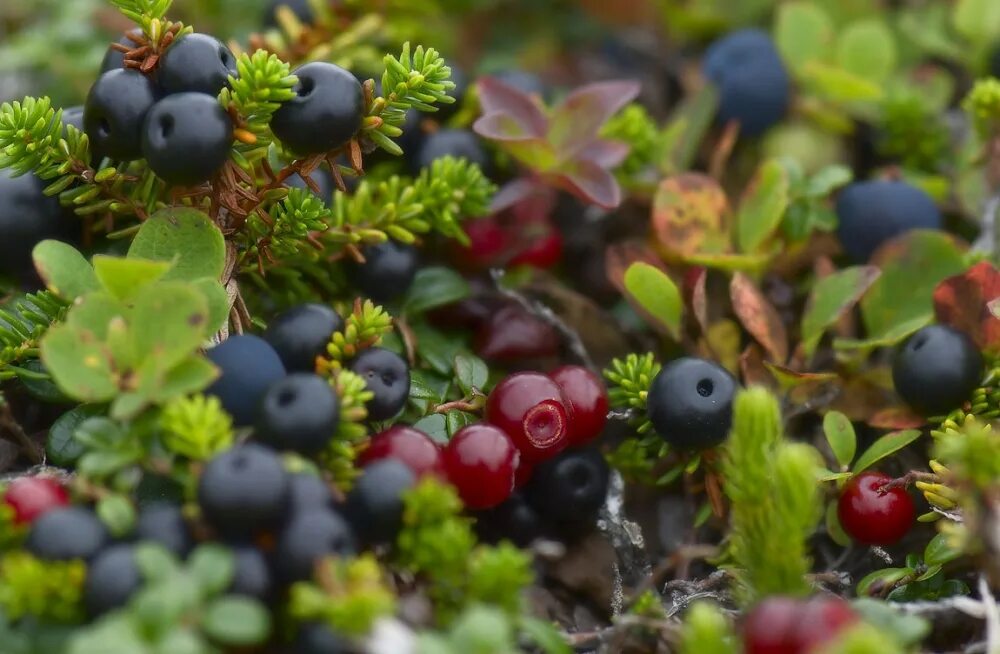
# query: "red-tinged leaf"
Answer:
x=963 y=302
x=753 y=368
x=759 y=317
x=896 y=418
x=497 y=97
x=696 y=295
x=619 y=256
x=503 y=126
x=514 y=191
x=789 y=378
x=604 y=152
x=590 y=183
x=830 y=299
x=690 y=216
x=577 y=120
x=806 y=390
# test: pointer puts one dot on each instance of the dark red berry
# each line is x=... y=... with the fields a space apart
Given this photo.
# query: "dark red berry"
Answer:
x=584 y=393
x=513 y=334
x=783 y=625
x=543 y=252
x=411 y=446
x=530 y=408
x=196 y=62
x=115 y=110
x=31 y=497
x=186 y=138
x=488 y=243
x=480 y=461
x=822 y=619
x=874 y=516
x=937 y=369
x=325 y=112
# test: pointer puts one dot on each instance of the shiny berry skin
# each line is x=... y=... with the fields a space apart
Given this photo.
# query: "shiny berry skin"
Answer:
x=325 y=112
x=691 y=403
x=570 y=489
x=544 y=252
x=936 y=369
x=115 y=111
x=31 y=497
x=374 y=506
x=112 y=578
x=873 y=517
x=164 y=523
x=27 y=217
x=481 y=461
x=584 y=393
x=512 y=334
x=822 y=619
x=114 y=58
x=298 y=413
x=308 y=537
x=244 y=490
x=526 y=406
x=412 y=447
x=248 y=367
x=457 y=143
x=186 y=138
x=488 y=244
x=388 y=270
x=66 y=533
x=307 y=491
x=198 y=63
x=251 y=573
x=387 y=375
x=301 y=334
x=783 y=625
x=318 y=638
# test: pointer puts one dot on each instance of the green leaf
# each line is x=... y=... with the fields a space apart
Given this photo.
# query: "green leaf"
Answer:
x=470 y=372
x=885 y=446
x=188 y=238
x=455 y=420
x=909 y=630
x=217 y=300
x=831 y=298
x=867 y=48
x=977 y=20
x=434 y=287
x=155 y=562
x=189 y=376
x=212 y=566
x=833 y=527
x=763 y=207
x=64 y=270
x=124 y=278
x=840 y=434
x=656 y=294
x=839 y=85
x=79 y=364
x=434 y=425
x=117 y=512
x=170 y=324
x=940 y=551
x=874 y=582
x=61 y=447
x=236 y=621
x=545 y=636
x=827 y=180
x=803 y=32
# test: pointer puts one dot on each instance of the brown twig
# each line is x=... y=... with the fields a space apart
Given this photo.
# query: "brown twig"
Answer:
x=10 y=426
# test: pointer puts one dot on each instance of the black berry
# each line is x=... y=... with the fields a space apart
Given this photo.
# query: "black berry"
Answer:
x=115 y=110
x=115 y=58
x=871 y=213
x=67 y=533
x=27 y=217
x=186 y=138
x=307 y=491
x=458 y=143
x=375 y=504
x=570 y=489
x=690 y=403
x=325 y=113
x=196 y=62
x=251 y=573
x=317 y=638
x=164 y=523
x=936 y=369
x=112 y=578
x=309 y=536
x=248 y=367
x=388 y=377
x=299 y=413
x=244 y=490
x=514 y=520
x=388 y=270
x=301 y=334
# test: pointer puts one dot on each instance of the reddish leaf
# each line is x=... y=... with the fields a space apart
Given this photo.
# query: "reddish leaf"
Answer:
x=577 y=120
x=963 y=302
x=618 y=257
x=690 y=214
x=521 y=109
x=759 y=317
x=605 y=153
x=514 y=191
x=697 y=298
x=503 y=126
x=896 y=418
x=753 y=368
x=590 y=183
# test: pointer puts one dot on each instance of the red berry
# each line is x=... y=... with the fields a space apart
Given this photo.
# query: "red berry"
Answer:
x=820 y=620
x=526 y=406
x=513 y=334
x=872 y=516
x=782 y=625
x=30 y=497
x=523 y=474
x=488 y=241
x=481 y=462
x=587 y=398
x=415 y=449
x=544 y=252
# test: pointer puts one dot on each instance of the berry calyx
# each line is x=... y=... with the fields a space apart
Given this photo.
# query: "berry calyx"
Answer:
x=526 y=405
x=481 y=461
x=937 y=369
x=874 y=515
x=587 y=398
x=31 y=497
x=412 y=447
x=545 y=427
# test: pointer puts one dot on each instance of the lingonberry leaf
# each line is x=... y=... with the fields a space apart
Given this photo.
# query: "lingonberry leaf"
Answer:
x=690 y=215
x=604 y=152
x=885 y=446
x=962 y=301
x=508 y=113
x=762 y=207
x=576 y=121
x=590 y=182
x=655 y=295
x=840 y=435
x=759 y=317
x=831 y=298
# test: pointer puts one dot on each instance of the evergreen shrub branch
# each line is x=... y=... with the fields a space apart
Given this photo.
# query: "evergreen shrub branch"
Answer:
x=196 y=427
x=264 y=82
x=22 y=325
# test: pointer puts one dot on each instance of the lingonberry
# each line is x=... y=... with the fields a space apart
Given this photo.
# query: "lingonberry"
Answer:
x=387 y=376
x=690 y=403
x=299 y=413
x=411 y=446
x=784 y=625
x=325 y=112
x=66 y=533
x=163 y=523
x=530 y=408
x=388 y=270
x=937 y=369
x=544 y=251
x=308 y=537
x=249 y=366
x=31 y=497
x=319 y=638
x=570 y=488
x=307 y=491
x=822 y=619
x=186 y=138
x=301 y=334
x=244 y=490
x=27 y=217
x=457 y=143
x=115 y=110
x=513 y=334
x=873 y=515
x=251 y=573
x=374 y=506
x=488 y=245
x=196 y=62
x=480 y=461
x=587 y=399
x=112 y=578
x=514 y=520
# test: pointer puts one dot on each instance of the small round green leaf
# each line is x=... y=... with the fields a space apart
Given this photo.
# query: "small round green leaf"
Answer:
x=187 y=237
x=237 y=621
x=840 y=434
x=656 y=295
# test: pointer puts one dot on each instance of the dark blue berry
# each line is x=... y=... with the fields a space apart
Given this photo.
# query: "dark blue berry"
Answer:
x=244 y=490
x=164 y=523
x=325 y=113
x=248 y=367
x=115 y=110
x=936 y=369
x=871 y=213
x=301 y=334
x=308 y=537
x=187 y=138
x=387 y=376
x=570 y=488
x=318 y=638
x=458 y=143
x=514 y=520
x=375 y=504
x=196 y=62
x=299 y=413
x=112 y=578
x=251 y=573
x=690 y=403
x=388 y=270
x=67 y=533
x=114 y=58
x=308 y=491
x=27 y=217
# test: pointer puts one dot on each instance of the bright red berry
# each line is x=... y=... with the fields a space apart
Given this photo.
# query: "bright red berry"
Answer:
x=783 y=625
x=481 y=462
x=31 y=497
x=587 y=399
x=527 y=406
x=544 y=252
x=415 y=449
x=874 y=516
x=488 y=241
x=821 y=619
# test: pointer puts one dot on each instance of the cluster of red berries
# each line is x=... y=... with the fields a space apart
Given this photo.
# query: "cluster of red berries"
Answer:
x=783 y=625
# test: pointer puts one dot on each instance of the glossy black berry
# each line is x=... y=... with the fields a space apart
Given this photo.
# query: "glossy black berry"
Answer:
x=936 y=369
x=388 y=270
x=307 y=491
x=196 y=62
x=187 y=138
x=248 y=367
x=251 y=573
x=318 y=638
x=301 y=334
x=244 y=490
x=325 y=112
x=115 y=58
x=515 y=520
x=67 y=533
x=112 y=578
x=458 y=143
x=298 y=413
x=570 y=488
x=375 y=504
x=115 y=110
x=164 y=523
x=308 y=537
x=691 y=403
x=388 y=377
x=871 y=213
x=27 y=217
